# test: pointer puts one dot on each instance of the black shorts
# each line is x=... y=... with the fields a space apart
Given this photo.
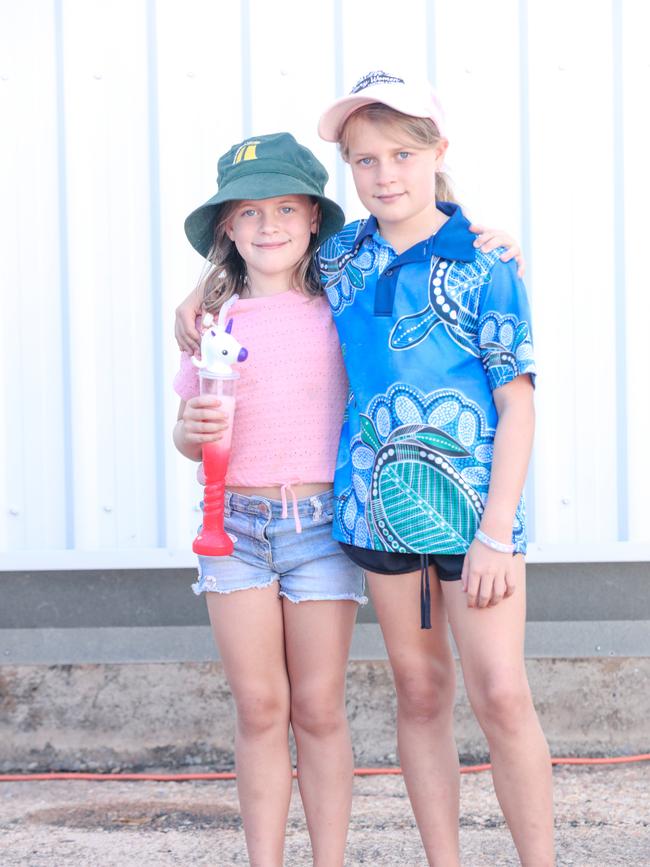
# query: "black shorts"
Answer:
x=448 y=566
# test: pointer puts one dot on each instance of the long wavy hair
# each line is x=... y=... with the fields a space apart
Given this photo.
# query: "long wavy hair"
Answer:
x=225 y=274
x=421 y=130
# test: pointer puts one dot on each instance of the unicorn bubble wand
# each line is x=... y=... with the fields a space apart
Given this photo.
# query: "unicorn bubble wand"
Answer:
x=219 y=350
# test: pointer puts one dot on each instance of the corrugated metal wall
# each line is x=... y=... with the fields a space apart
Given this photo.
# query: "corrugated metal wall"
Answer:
x=113 y=116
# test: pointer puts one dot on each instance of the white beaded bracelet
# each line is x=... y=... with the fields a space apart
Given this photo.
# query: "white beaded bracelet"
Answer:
x=501 y=547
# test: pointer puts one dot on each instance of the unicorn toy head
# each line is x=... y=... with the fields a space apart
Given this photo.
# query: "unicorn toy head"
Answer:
x=219 y=349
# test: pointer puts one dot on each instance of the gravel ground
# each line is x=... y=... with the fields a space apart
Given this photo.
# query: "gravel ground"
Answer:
x=602 y=819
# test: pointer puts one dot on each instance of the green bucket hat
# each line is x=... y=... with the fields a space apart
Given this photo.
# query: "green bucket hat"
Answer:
x=262 y=167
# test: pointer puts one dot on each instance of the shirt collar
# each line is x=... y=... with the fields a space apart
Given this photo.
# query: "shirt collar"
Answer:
x=453 y=240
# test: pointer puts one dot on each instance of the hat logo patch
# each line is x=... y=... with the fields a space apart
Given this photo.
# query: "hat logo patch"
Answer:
x=247 y=151
x=376 y=77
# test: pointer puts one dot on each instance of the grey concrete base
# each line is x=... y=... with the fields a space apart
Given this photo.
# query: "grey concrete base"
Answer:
x=180 y=715
x=55 y=646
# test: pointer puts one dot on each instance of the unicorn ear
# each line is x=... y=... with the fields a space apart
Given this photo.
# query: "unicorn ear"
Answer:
x=225 y=307
x=229 y=326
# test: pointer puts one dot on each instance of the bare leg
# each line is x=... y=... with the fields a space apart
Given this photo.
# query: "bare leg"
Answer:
x=423 y=668
x=318 y=636
x=491 y=646
x=249 y=631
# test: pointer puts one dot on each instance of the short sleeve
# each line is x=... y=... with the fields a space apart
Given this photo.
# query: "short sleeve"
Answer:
x=504 y=327
x=186 y=381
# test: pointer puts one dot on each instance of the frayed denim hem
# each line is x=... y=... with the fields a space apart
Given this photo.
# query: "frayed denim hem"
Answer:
x=208 y=584
x=325 y=597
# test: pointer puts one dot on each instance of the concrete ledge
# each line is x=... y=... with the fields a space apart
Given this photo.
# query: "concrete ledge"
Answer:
x=121 y=644
x=180 y=715
x=162 y=597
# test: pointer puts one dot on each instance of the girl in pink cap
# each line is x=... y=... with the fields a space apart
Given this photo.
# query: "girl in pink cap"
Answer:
x=433 y=457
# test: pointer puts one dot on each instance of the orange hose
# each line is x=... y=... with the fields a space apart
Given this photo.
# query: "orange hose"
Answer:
x=229 y=775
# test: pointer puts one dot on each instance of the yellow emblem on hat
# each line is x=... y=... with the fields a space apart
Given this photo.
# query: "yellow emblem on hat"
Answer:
x=247 y=151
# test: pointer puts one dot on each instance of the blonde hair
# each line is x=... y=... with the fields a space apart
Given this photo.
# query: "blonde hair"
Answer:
x=226 y=273
x=421 y=130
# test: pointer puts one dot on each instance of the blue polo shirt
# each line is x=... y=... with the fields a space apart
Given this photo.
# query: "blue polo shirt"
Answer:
x=426 y=337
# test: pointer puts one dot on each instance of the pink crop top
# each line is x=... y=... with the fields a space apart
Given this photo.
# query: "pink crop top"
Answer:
x=290 y=397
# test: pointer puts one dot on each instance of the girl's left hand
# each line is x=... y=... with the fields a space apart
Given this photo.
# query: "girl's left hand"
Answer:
x=490 y=239
x=487 y=576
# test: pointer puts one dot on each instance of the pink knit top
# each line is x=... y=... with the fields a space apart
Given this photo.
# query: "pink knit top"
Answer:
x=291 y=394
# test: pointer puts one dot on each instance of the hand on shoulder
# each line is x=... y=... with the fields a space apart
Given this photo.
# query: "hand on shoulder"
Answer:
x=490 y=239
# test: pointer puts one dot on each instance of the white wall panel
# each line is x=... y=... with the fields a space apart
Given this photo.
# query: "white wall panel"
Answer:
x=107 y=158
x=291 y=77
x=595 y=304
x=635 y=171
x=32 y=471
x=571 y=104
x=113 y=137
x=551 y=280
x=479 y=83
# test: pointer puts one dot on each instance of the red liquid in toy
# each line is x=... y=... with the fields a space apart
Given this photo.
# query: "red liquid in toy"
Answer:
x=215 y=461
x=212 y=540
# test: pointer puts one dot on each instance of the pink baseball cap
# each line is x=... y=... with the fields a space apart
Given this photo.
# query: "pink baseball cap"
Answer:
x=417 y=99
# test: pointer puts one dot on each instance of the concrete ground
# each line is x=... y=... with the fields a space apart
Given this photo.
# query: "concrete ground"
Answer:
x=602 y=819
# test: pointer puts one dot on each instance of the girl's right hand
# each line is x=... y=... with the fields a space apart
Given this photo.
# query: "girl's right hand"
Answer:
x=187 y=336
x=203 y=421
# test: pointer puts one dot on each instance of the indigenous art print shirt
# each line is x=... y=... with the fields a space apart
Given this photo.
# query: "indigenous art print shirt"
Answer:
x=427 y=335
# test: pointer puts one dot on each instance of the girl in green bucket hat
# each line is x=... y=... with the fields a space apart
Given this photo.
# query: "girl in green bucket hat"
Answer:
x=260 y=168
x=283 y=605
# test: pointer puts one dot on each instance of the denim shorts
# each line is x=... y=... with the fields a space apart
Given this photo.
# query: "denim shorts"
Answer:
x=307 y=566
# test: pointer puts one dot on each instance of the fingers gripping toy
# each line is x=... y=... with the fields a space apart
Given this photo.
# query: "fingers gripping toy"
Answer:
x=219 y=350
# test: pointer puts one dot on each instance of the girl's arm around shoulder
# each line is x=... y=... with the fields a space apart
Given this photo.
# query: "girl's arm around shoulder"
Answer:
x=199 y=421
x=487 y=575
x=187 y=335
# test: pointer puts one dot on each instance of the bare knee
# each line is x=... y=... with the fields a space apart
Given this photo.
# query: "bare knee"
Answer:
x=503 y=705
x=260 y=711
x=319 y=712
x=425 y=694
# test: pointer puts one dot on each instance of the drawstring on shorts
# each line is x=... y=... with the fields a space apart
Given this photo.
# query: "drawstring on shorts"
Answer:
x=283 y=496
x=425 y=593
